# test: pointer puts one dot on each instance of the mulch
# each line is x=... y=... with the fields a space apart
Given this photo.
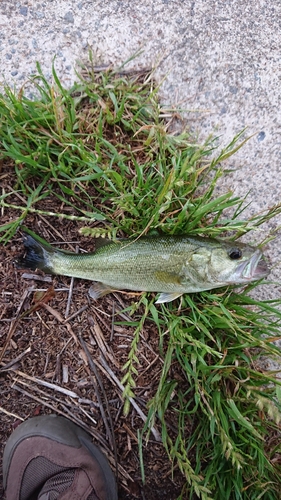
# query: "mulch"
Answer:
x=63 y=353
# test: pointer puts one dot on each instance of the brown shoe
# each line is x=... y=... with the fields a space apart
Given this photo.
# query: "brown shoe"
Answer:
x=50 y=458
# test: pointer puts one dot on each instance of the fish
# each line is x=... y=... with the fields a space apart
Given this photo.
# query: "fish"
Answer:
x=165 y=264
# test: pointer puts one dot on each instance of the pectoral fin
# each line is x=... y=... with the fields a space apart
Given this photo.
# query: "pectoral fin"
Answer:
x=167 y=297
x=99 y=289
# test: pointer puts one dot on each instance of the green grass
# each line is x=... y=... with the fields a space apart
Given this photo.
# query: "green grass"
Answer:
x=104 y=150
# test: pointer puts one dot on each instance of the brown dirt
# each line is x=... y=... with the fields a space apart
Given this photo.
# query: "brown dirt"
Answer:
x=41 y=346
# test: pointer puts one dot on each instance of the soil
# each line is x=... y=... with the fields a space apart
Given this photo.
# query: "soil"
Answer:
x=79 y=353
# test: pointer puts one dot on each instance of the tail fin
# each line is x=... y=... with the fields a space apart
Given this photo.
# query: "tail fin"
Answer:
x=37 y=254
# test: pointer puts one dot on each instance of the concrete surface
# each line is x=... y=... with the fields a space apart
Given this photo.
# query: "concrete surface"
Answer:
x=222 y=58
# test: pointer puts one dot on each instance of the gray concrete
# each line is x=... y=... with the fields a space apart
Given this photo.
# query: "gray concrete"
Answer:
x=222 y=59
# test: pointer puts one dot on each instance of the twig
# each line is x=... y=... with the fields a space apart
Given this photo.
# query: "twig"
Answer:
x=100 y=310
x=109 y=373
x=127 y=429
x=57 y=374
x=150 y=365
x=112 y=321
x=105 y=349
x=102 y=320
x=36 y=389
x=10 y=414
x=48 y=223
x=14 y=361
x=64 y=289
x=54 y=387
x=82 y=309
x=65 y=346
x=60 y=318
x=85 y=412
x=14 y=323
x=36 y=277
x=57 y=400
x=96 y=373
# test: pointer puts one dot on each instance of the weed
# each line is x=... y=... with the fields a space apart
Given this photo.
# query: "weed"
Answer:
x=105 y=150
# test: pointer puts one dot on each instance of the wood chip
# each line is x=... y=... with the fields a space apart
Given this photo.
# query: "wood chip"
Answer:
x=65 y=374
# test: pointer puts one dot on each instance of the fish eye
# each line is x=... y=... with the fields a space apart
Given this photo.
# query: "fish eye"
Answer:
x=235 y=253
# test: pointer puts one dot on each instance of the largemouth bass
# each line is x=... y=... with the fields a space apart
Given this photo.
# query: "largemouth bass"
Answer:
x=171 y=265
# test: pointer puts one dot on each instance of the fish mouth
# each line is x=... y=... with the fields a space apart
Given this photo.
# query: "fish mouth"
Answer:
x=254 y=269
